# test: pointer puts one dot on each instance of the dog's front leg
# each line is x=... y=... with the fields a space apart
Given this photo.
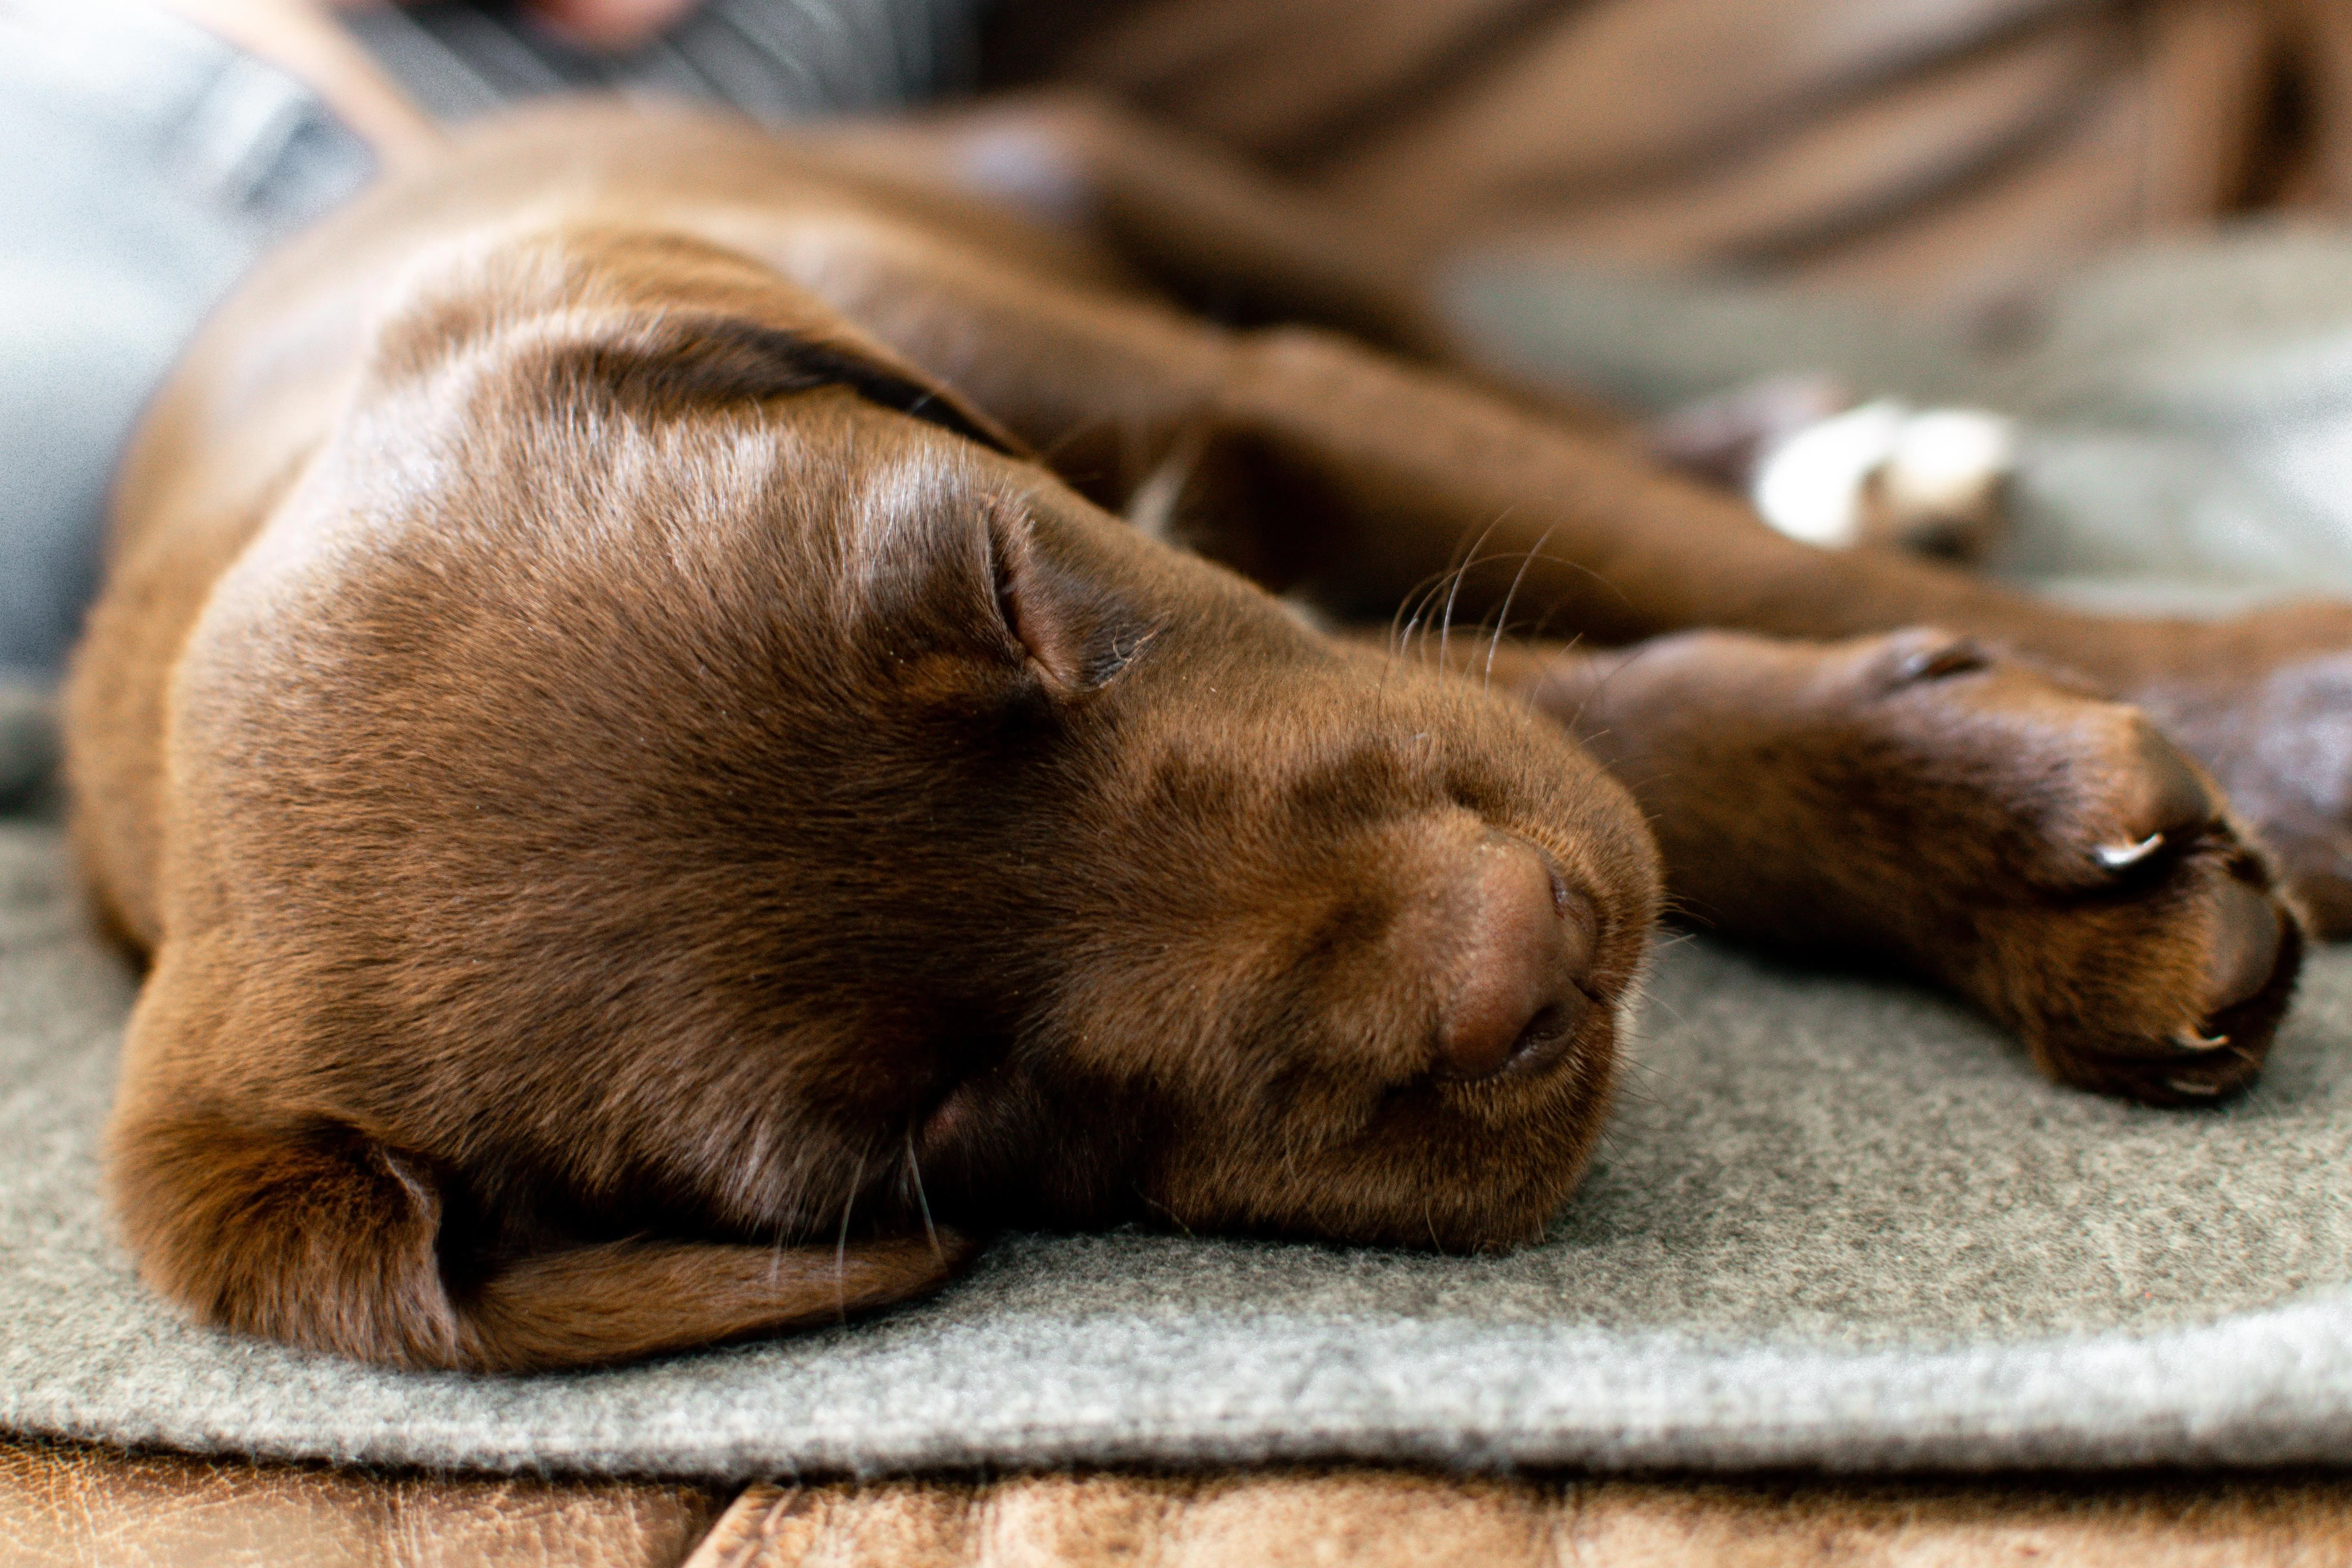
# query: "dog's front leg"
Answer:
x=1391 y=478
x=1919 y=800
x=1314 y=463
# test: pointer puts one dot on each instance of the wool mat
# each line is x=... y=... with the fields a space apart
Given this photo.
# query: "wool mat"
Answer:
x=1837 y=1222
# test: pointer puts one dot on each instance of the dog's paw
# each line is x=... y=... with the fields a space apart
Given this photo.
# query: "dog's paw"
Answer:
x=2082 y=879
x=1923 y=800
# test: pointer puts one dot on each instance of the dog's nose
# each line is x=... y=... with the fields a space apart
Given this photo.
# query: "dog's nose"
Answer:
x=1520 y=945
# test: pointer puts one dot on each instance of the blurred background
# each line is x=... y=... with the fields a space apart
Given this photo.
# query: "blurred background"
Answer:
x=1936 y=153
x=2121 y=221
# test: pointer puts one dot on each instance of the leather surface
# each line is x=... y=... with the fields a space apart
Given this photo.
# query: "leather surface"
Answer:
x=1373 y=1518
x=1960 y=153
x=63 y=1504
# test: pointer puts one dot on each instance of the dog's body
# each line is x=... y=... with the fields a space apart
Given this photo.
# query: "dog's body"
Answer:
x=654 y=815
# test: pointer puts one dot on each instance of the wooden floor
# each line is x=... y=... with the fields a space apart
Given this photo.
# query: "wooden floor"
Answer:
x=92 y=1508
x=1374 y=1517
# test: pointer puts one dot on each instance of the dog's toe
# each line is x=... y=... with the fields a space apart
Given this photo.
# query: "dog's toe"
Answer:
x=2169 y=986
x=2097 y=892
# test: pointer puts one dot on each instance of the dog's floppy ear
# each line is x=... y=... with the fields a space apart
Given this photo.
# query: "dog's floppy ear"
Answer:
x=314 y=1233
x=671 y=320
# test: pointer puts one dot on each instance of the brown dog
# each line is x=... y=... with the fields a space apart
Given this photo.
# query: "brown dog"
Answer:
x=655 y=814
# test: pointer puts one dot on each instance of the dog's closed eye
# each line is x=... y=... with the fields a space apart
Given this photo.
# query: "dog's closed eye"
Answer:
x=1077 y=633
x=944 y=566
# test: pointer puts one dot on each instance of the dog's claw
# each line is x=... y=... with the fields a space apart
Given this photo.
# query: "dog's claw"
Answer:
x=2119 y=856
x=2191 y=1086
x=2191 y=1040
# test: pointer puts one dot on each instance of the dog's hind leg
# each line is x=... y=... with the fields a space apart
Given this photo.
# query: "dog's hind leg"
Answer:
x=1208 y=230
x=1358 y=478
x=1379 y=470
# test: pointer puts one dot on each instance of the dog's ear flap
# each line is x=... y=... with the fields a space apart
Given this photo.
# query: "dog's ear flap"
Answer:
x=673 y=320
x=685 y=358
x=316 y=1234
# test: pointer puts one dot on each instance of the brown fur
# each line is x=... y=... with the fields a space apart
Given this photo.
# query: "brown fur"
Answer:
x=655 y=817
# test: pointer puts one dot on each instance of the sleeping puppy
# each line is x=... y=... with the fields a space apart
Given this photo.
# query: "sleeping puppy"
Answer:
x=665 y=797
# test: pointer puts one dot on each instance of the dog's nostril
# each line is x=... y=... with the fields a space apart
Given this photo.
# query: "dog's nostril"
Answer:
x=1550 y=1022
x=1523 y=943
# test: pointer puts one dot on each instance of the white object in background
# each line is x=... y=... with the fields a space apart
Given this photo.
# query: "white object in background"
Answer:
x=1811 y=486
x=1948 y=462
x=1883 y=468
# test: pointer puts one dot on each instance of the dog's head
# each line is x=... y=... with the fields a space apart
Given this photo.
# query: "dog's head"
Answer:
x=752 y=792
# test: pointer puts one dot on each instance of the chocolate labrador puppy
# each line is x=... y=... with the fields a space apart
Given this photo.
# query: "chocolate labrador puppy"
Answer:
x=664 y=794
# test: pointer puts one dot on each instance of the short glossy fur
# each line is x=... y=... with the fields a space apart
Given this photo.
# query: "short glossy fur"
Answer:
x=664 y=799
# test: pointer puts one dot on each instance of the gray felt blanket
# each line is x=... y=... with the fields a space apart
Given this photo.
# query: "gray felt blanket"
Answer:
x=1835 y=1222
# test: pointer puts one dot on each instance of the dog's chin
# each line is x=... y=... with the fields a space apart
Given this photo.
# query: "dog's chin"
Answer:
x=1432 y=1164
x=1439 y=1166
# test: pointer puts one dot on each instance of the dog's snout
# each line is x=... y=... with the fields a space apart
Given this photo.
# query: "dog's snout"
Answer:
x=1522 y=943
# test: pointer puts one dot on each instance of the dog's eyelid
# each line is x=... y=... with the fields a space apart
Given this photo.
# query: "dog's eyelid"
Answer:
x=1005 y=538
x=1076 y=636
